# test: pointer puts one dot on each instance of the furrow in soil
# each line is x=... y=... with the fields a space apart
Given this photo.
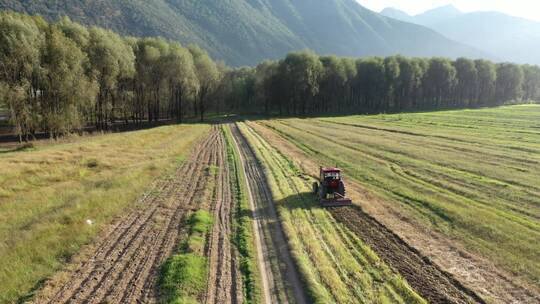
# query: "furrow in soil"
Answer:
x=223 y=276
x=426 y=278
x=124 y=266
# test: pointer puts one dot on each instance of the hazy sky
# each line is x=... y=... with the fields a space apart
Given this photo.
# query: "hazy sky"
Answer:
x=529 y=9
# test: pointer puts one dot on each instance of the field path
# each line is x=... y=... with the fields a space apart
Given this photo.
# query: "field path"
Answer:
x=123 y=266
x=224 y=282
x=281 y=281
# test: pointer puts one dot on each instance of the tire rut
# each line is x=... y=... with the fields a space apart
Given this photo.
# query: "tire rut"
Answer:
x=125 y=264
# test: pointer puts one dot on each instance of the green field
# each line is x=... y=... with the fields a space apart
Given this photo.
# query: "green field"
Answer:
x=472 y=175
x=336 y=266
x=48 y=193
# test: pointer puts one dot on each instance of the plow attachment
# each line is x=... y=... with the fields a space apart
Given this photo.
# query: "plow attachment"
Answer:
x=337 y=201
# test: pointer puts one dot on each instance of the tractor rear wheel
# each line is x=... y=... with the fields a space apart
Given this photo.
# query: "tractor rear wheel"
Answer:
x=315 y=188
x=322 y=191
x=341 y=189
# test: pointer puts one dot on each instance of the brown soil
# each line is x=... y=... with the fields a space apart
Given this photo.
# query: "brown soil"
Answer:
x=123 y=266
x=281 y=281
x=426 y=278
x=467 y=269
x=224 y=282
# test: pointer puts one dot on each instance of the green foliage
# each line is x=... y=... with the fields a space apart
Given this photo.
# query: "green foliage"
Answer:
x=509 y=82
x=301 y=74
x=184 y=275
x=207 y=75
x=200 y=222
x=58 y=78
x=183 y=278
x=64 y=87
x=74 y=31
x=21 y=38
x=531 y=87
x=304 y=84
x=439 y=81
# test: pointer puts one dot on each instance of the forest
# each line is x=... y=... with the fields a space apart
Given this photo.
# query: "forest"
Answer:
x=57 y=78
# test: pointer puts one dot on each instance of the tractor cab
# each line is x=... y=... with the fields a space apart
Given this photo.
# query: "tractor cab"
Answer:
x=331 y=177
x=330 y=188
x=331 y=173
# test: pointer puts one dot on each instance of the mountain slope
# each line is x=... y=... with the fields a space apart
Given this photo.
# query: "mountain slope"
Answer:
x=397 y=14
x=510 y=38
x=249 y=31
x=507 y=38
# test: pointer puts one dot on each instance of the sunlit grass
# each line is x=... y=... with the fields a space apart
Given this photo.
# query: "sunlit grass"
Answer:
x=55 y=198
x=470 y=174
x=336 y=266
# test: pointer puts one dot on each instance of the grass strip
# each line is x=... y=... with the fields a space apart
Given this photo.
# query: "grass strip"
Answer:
x=243 y=229
x=184 y=275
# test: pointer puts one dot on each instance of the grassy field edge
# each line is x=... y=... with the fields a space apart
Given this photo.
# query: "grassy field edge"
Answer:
x=57 y=198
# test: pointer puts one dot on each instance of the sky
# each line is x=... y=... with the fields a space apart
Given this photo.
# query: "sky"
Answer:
x=529 y=9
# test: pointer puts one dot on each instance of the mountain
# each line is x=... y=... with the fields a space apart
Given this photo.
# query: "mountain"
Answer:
x=434 y=16
x=507 y=38
x=245 y=32
x=397 y=14
x=428 y=18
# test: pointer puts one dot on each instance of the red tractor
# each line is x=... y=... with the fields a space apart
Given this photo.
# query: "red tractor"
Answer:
x=330 y=188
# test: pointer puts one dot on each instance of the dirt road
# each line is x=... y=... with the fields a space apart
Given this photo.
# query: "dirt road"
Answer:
x=123 y=266
x=281 y=281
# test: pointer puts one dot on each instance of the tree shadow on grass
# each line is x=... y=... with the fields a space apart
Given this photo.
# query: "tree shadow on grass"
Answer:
x=303 y=201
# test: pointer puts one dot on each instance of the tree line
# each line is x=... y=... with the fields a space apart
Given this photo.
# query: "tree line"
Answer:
x=62 y=76
x=306 y=84
x=59 y=77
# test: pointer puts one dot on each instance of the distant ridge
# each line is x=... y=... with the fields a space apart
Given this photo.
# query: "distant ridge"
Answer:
x=397 y=14
x=507 y=38
x=435 y=15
